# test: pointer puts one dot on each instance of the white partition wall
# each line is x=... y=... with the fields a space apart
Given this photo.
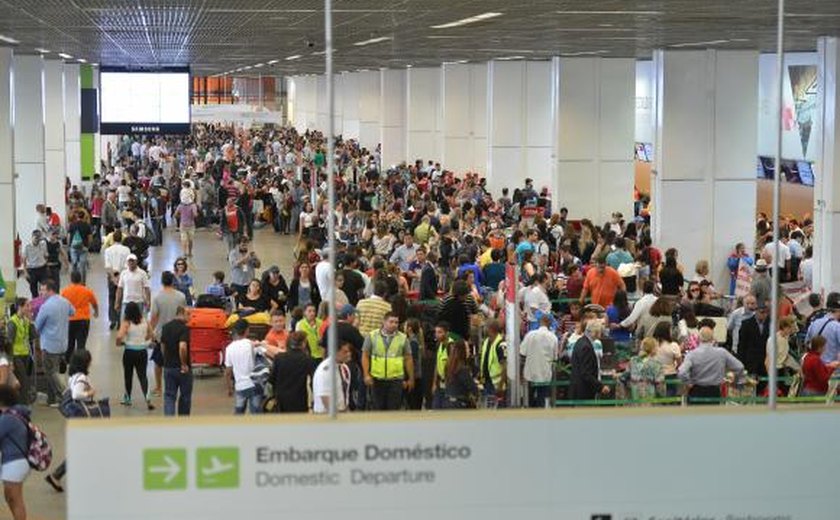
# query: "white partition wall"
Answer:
x=350 y=105
x=706 y=139
x=393 y=116
x=370 y=108
x=338 y=100
x=321 y=104
x=464 y=112
x=29 y=140
x=827 y=182
x=54 y=157
x=424 y=116
x=72 y=123
x=7 y=166
x=595 y=155
x=522 y=124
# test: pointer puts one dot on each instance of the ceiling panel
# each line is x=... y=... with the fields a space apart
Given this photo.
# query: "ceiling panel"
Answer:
x=218 y=36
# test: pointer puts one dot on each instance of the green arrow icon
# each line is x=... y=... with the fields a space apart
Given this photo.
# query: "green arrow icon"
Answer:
x=217 y=468
x=164 y=469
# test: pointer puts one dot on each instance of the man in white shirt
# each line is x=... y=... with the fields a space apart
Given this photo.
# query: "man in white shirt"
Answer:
x=536 y=298
x=539 y=348
x=322 y=384
x=783 y=262
x=239 y=363
x=133 y=286
x=115 y=257
x=744 y=312
x=642 y=307
x=322 y=276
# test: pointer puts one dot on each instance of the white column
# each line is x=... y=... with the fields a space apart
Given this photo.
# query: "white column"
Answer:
x=370 y=109
x=827 y=181
x=424 y=114
x=29 y=140
x=464 y=110
x=350 y=105
x=338 y=96
x=7 y=166
x=72 y=123
x=97 y=137
x=522 y=125
x=595 y=156
x=54 y=158
x=291 y=101
x=706 y=142
x=393 y=112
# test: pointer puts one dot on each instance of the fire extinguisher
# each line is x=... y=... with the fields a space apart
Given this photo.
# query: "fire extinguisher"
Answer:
x=18 y=263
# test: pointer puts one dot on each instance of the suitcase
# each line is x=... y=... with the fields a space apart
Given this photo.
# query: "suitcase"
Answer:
x=209 y=301
x=207 y=346
x=207 y=318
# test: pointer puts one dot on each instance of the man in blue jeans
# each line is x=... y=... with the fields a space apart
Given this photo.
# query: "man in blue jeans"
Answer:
x=177 y=371
x=239 y=364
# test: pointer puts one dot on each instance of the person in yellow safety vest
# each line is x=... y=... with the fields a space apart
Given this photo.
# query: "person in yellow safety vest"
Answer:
x=310 y=325
x=20 y=332
x=387 y=364
x=493 y=360
x=444 y=342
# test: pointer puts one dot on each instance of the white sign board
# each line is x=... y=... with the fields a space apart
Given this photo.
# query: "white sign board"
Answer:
x=618 y=465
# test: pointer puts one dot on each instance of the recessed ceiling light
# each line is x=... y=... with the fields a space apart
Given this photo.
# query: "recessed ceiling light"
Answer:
x=82 y=60
x=8 y=39
x=618 y=12
x=65 y=56
x=293 y=58
x=42 y=51
x=699 y=44
x=247 y=68
x=372 y=40
x=258 y=65
x=605 y=25
x=465 y=21
x=509 y=58
x=94 y=64
x=272 y=62
x=457 y=62
x=583 y=53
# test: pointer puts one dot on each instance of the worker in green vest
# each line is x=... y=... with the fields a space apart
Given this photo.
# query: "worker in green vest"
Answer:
x=387 y=364
x=20 y=332
x=443 y=340
x=492 y=362
x=311 y=325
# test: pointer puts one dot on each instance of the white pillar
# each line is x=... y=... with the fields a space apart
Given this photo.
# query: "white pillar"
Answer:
x=522 y=125
x=827 y=182
x=54 y=158
x=72 y=123
x=338 y=96
x=424 y=114
x=595 y=157
x=706 y=149
x=29 y=140
x=291 y=101
x=393 y=112
x=7 y=166
x=464 y=102
x=350 y=105
x=97 y=137
x=370 y=109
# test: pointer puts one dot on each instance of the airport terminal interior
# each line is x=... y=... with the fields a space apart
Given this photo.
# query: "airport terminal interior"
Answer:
x=364 y=221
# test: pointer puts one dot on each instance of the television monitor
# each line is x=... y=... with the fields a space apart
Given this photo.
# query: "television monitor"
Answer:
x=640 y=152
x=146 y=101
x=790 y=171
x=649 y=151
x=769 y=165
x=806 y=172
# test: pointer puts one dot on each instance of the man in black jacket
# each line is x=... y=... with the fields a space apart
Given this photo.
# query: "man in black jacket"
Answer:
x=289 y=375
x=585 y=383
x=348 y=333
x=752 y=343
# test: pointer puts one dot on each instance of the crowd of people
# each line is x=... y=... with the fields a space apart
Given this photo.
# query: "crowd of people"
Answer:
x=419 y=290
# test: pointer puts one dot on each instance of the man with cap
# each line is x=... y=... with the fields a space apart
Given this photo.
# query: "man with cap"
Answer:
x=828 y=327
x=752 y=342
x=348 y=333
x=35 y=256
x=761 y=283
x=133 y=286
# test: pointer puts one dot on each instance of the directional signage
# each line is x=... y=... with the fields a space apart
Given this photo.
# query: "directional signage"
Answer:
x=642 y=464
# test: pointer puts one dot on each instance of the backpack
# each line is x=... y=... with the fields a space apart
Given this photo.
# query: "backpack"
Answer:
x=77 y=242
x=39 y=454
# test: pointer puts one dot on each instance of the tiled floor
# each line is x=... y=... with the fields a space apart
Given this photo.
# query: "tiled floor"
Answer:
x=209 y=395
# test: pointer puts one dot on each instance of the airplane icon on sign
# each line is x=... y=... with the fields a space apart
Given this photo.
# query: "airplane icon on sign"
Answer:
x=216 y=467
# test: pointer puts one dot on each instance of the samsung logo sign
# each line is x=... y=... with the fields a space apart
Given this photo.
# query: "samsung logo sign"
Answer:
x=145 y=129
